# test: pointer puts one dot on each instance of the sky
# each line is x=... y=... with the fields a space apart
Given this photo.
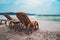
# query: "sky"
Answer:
x=31 y=6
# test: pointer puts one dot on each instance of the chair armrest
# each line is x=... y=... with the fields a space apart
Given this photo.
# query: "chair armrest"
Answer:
x=34 y=23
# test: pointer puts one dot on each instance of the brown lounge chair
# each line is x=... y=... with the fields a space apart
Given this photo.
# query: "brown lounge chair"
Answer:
x=27 y=22
x=11 y=21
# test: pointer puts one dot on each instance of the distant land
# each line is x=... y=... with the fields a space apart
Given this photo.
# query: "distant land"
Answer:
x=12 y=13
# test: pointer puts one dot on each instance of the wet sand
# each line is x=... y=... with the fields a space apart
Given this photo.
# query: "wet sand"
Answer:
x=48 y=30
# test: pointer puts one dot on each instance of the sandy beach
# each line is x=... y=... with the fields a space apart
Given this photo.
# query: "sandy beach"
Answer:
x=48 y=30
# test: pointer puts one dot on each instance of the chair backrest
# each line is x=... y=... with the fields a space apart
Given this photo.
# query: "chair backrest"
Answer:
x=23 y=17
x=7 y=16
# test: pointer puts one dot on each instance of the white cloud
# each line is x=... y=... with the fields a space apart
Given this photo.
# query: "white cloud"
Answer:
x=27 y=3
x=17 y=2
x=5 y=1
x=0 y=10
x=33 y=3
x=32 y=6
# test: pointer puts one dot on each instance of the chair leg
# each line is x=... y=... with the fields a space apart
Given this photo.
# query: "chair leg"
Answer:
x=27 y=31
x=36 y=26
x=32 y=30
x=10 y=25
x=19 y=27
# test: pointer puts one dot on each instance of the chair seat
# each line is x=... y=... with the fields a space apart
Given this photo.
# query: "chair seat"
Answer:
x=15 y=21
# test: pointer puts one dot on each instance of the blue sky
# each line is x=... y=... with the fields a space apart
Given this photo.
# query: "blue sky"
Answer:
x=31 y=6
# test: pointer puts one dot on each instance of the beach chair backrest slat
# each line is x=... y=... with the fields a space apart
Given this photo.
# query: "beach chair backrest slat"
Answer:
x=24 y=17
x=7 y=16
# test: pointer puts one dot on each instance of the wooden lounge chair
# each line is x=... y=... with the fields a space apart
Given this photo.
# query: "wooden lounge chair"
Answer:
x=12 y=21
x=8 y=17
x=27 y=22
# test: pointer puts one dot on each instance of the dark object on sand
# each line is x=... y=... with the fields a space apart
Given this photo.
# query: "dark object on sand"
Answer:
x=30 y=26
x=1 y=21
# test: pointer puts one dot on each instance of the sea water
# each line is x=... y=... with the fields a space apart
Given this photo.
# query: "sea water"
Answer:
x=54 y=18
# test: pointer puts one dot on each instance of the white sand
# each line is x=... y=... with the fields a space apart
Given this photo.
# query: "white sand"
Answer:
x=48 y=30
x=47 y=25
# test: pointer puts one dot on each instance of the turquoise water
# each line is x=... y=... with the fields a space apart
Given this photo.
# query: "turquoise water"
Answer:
x=54 y=18
x=14 y=16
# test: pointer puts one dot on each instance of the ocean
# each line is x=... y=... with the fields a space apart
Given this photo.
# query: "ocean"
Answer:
x=53 y=18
